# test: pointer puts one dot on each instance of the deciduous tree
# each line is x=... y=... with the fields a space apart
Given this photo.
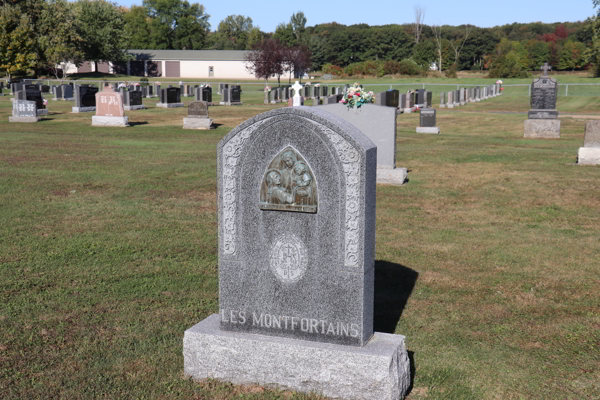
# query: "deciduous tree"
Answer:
x=266 y=60
x=101 y=24
x=17 y=41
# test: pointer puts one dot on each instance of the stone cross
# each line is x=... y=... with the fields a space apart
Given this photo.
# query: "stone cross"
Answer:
x=546 y=68
x=297 y=101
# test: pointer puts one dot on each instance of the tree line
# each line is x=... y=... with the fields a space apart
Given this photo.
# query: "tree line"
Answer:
x=44 y=34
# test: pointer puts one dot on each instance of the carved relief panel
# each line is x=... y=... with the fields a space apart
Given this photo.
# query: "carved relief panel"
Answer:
x=289 y=184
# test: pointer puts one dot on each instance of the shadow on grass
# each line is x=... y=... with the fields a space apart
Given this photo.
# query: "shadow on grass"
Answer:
x=46 y=119
x=138 y=123
x=394 y=284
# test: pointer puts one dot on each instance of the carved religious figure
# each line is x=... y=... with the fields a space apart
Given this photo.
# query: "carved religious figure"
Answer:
x=289 y=184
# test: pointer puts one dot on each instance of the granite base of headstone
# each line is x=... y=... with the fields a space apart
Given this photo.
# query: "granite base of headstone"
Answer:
x=169 y=105
x=296 y=263
x=110 y=121
x=378 y=371
x=42 y=111
x=83 y=109
x=589 y=154
x=132 y=108
x=542 y=128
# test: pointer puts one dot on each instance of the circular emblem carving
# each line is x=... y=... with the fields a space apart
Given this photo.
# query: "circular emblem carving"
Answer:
x=288 y=258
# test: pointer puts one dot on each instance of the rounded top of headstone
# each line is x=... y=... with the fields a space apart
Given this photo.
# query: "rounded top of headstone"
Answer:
x=329 y=120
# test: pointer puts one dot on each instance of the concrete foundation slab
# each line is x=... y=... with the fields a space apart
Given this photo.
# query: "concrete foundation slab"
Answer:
x=389 y=176
x=542 y=128
x=197 y=123
x=83 y=109
x=169 y=105
x=433 y=130
x=110 y=121
x=378 y=371
x=23 y=119
x=588 y=156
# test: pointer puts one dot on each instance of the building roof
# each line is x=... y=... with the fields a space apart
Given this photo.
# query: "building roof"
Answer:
x=189 y=55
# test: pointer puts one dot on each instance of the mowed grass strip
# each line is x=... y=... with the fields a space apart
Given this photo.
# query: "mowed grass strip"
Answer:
x=487 y=259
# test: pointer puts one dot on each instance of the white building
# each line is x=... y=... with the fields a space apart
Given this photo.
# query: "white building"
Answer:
x=218 y=64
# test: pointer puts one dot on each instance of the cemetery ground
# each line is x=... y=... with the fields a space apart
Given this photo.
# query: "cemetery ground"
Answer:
x=487 y=259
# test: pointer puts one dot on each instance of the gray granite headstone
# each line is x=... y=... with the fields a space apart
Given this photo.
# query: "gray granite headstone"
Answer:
x=198 y=109
x=297 y=201
x=377 y=123
x=589 y=154
x=24 y=108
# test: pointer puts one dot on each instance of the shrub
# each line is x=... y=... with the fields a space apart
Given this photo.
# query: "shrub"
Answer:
x=144 y=82
x=404 y=67
x=332 y=69
x=506 y=66
x=451 y=72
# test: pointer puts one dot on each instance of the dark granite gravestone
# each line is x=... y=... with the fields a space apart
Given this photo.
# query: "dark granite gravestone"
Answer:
x=225 y=96
x=233 y=95
x=324 y=91
x=307 y=92
x=392 y=98
x=420 y=97
x=35 y=95
x=427 y=117
x=543 y=97
x=144 y=91
x=296 y=190
x=316 y=91
x=428 y=121
x=207 y=94
x=45 y=89
x=170 y=97
x=429 y=97
x=133 y=101
x=67 y=92
x=85 y=98
x=150 y=91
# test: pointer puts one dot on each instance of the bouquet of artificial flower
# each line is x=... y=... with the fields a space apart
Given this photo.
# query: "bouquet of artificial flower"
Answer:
x=357 y=96
x=267 y=88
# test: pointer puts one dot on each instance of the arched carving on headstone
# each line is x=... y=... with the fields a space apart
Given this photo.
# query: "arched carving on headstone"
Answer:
x=289 y=184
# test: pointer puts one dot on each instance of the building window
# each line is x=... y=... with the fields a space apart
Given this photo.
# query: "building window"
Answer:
x=211 y=72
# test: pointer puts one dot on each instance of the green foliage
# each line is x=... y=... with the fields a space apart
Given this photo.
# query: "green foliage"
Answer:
x=538 y=53
x=233 y=33
x=284 y=33
x=424 y=53
x=17 y=41
x=572 y=56
x=137 y=28
x=102 y=26
x=507 y=66
x=177 y=24
x=451 y=72
x=404 y=67
x=58 y=37
x=370 y=68
x=332 y=69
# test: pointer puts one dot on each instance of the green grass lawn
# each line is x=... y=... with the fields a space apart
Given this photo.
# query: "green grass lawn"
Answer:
x=487 y=259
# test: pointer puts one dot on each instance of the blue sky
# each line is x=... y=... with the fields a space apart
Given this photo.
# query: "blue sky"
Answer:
x=268 y=13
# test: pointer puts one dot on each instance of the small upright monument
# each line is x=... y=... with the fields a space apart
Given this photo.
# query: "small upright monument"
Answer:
x=109 y=109
x=543 y=119
x=297 y=100
x=197 y=116
x=24 y=111
x=427 y=121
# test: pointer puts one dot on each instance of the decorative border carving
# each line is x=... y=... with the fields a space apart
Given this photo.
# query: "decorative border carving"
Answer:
x=351 y=164
x=231 y=155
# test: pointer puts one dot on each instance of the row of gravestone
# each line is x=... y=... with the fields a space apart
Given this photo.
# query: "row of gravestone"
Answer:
x=462 y=96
